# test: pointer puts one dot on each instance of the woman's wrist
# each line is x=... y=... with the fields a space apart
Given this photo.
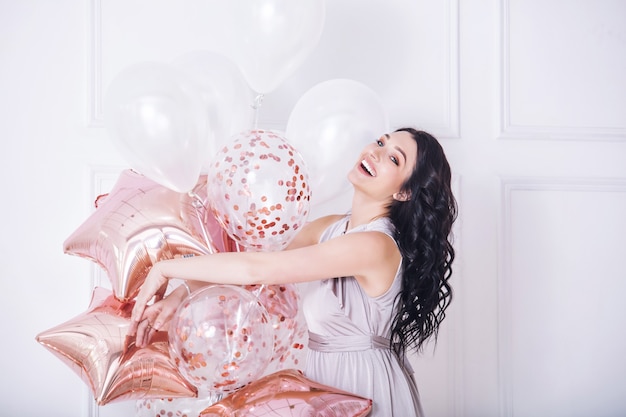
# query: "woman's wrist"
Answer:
x=186 y=287
x=180 y=292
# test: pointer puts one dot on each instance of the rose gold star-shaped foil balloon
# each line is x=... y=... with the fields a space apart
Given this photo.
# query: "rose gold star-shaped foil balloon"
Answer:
x=95 y=346
x=288 y=393
x=141 y=222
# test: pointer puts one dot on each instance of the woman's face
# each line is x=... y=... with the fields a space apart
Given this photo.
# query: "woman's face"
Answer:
x=384 y=165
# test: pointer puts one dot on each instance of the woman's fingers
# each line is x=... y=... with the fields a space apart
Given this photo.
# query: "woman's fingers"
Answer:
x=132 y=330
x=153 y=284
x=144 y=333
x=144 y=319
x=154 y=318
x=146 y=327
x=168 y=309
x=160 y=294
x=136 y=315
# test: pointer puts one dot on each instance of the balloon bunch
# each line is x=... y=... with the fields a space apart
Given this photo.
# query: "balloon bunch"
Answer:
x=135 y=225
x=203 y=181
x=170 y=120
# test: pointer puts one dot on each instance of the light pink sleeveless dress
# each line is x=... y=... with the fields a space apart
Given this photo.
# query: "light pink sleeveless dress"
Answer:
x=349 y=338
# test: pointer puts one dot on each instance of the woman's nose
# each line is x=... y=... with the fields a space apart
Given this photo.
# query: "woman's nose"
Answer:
x=375 y=152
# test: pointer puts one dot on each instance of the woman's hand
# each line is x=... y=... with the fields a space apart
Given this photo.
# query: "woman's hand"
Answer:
x=154 y=284
x=157 y=316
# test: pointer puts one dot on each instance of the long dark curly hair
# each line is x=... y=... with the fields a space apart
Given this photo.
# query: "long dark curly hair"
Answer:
x=423 y=226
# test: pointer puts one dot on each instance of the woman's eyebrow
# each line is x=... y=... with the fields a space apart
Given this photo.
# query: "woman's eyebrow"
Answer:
x=396 y=147
x=401 y=151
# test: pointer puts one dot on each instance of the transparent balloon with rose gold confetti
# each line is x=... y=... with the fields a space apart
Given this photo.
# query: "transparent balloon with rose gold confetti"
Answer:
x=259 y=190
x=221 y=338
x=282 y=304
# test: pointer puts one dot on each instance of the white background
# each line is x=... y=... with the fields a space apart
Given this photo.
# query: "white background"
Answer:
x=528 y=97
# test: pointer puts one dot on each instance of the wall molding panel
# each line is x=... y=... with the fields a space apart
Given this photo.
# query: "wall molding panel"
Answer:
x=456 y=347
x=94 y=65
x=511 y=187
x=451 y=127
x=509 y=129
x=102 y=178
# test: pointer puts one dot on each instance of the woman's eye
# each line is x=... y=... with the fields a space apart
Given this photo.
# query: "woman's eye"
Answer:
x=379 y=142
x=395 y=160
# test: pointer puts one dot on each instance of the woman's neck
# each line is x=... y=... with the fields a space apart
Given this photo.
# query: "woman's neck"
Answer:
x=365 y=210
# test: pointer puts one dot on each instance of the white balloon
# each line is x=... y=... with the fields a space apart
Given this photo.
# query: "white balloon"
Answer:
x=270 y=39
x=228 y=98
x=156 y=119
x=329 y=125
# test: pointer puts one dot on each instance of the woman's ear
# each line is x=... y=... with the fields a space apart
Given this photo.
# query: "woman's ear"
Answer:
x=402 y=196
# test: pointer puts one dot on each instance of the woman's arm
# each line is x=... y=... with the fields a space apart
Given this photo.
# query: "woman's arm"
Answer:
x=372 y=257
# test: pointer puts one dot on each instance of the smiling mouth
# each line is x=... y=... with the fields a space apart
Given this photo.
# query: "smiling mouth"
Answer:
x=367 y=168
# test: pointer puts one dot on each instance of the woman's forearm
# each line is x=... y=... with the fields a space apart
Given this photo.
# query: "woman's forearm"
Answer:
x=220 y=268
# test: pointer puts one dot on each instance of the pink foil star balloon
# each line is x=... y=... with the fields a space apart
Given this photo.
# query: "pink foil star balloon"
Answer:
x=287 y=393
x=95 y=346
x=141 y=222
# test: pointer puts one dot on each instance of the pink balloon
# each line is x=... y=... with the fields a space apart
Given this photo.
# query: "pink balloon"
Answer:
x=288 y=393
x=95 y=346
x=259 y=190
x=221 y=338
x=141 y=222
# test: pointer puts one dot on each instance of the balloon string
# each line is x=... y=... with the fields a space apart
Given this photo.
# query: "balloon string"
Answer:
x=197 y=203
x=257 y=292
x=214 y=396
x=258 y=101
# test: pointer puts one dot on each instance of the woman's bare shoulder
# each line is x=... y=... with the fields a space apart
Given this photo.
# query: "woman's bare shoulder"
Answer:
x=325 y=221
x=312 y=231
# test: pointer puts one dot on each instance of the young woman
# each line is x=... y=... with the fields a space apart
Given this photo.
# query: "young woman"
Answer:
x=378 y=275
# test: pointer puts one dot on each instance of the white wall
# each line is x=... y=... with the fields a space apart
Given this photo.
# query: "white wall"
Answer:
x=528 y=98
